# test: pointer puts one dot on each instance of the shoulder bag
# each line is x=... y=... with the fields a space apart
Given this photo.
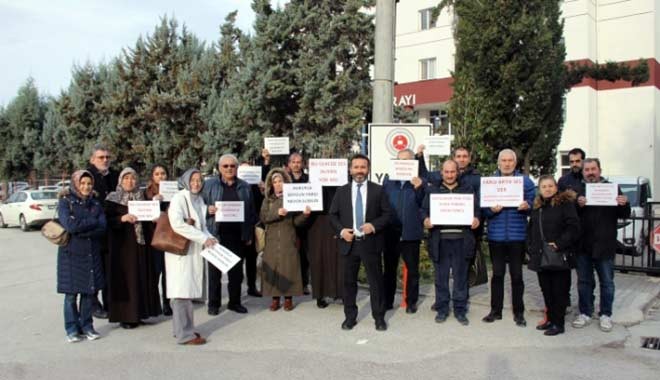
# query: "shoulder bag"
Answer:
x=54 y=232
x=166 y=240
x=551 y=260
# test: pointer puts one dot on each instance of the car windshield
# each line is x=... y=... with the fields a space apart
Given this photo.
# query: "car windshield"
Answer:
x=42 y=195
x=630 y=191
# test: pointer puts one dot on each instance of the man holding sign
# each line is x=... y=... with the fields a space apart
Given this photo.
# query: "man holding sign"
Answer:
x=507 y=232
x=234 y=235
x=598 y=221
x=451 y=216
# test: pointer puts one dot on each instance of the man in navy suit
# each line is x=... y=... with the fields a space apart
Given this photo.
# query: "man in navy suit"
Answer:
x=359 y=213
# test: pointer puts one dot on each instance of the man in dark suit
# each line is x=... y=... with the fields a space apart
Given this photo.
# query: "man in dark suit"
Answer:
x=359 y=213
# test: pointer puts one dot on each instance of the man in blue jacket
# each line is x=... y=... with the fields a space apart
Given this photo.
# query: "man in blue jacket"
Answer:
x=403 y=235
x=235 y=236
x=507 y=232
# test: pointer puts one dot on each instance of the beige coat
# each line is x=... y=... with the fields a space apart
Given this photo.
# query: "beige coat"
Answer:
x=185 y=274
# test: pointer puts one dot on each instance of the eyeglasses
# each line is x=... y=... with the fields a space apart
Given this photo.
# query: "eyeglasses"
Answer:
x=103 y=157
x=229 y=166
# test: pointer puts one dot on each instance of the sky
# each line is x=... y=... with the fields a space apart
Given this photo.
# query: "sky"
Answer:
x=43 y=39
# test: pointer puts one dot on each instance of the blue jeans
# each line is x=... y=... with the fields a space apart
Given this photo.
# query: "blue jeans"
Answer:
x=451 y=255
x=78 y=320
x=586 y=284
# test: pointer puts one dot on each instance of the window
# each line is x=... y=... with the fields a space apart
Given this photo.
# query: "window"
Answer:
x=425 y=21
x=427 y=68
x=565 y=165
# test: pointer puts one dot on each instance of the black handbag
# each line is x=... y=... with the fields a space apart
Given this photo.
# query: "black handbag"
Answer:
x=551 y=260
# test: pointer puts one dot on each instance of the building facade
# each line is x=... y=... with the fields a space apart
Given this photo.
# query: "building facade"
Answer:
x=614 y=121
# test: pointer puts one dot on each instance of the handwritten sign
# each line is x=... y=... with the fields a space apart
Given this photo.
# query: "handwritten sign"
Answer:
x=144 y=210
x=230 y=211
x=601 y=194
x=403 y=170
x=328 y=171
x=277 y=145
x=452 y=209
x=167 y=189
x=438 y=145
x=502 y=191
x=250 y=174
x=299 y=195
x=220 y=257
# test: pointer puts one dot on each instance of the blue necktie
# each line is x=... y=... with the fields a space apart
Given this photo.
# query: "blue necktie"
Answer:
x=359 y=215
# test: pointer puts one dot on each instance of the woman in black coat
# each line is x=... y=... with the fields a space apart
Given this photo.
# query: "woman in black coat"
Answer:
x=555 y=213
x=79 y=267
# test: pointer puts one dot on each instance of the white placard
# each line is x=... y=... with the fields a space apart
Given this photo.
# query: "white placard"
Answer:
x=438 y=145
x=277 y=145
x=220 y=257
x=297 y=196
x=233 y=211
x=328 y=171
x=249 y=174
x=601 y=194
x=452 y=209
x=403 y=170
x=144 y=210
x=167 y=189
x=503 y=191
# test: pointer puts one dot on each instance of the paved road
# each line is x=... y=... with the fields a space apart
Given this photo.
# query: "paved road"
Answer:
x=306 y=343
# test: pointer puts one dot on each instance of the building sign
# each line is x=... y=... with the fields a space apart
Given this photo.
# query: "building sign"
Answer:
x=407 y=100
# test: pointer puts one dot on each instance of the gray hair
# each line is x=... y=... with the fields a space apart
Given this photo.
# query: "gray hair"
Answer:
x=407 y=150
x=97 y=148
x=507 y=151
x=230 y=156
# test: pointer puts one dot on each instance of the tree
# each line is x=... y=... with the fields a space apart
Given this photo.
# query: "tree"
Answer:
x=510 y=79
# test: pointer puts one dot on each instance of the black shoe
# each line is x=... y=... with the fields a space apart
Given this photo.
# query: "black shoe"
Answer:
x=411 y=309
x=254 y=293
x=462 y=319
x=554 y=330
x=240 y=309
x=129 y=326
x=167 y=310
x=212 y=310
x=520 y=320
x=381 y=325
x=306 y=290
x=100 y=314
x=321 y=303
x=544 y=326
x=440 y=317
x=492 y=317
x=348 y=324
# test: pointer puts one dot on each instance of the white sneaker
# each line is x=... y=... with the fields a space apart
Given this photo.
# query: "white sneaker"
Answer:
x=581 y=321
x=73 y=338
x=605 y=323
x=92 y=335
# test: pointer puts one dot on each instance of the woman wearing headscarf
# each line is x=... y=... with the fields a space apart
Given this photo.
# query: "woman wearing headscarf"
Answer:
x=185 y=274
x=280 y=274
x=132 y=288
x=79 y=267
x=152 y=192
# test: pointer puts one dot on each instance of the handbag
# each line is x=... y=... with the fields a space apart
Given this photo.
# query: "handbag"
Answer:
x=166 y=240
x=551 y=260
x=259 y=237
x=54 y=232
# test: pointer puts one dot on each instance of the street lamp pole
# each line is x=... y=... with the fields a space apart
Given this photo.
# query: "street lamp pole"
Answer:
x=383 y=85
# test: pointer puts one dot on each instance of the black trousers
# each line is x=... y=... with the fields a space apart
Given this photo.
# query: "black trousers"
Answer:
x=304 y=261
x=500 y=254
x=251 y=266
x=235 y=277
x=159 y=263
x=372 y=262
x=409 y=251
x=556 y=291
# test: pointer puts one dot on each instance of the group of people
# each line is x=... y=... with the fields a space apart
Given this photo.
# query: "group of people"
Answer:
x=109 y=252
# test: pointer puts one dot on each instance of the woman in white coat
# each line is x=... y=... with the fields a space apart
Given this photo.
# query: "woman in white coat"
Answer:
x=185 y=274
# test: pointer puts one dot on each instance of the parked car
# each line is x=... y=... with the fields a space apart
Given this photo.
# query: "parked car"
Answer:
x=28 y=208
x=50 y=187
x=633 y=233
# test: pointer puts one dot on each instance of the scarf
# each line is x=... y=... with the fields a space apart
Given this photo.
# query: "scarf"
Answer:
x=120 y=196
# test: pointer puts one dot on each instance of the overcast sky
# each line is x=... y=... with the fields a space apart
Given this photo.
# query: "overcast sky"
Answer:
x=45 y=38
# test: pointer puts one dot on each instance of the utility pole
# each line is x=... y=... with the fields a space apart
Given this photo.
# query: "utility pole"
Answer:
x=383 y=87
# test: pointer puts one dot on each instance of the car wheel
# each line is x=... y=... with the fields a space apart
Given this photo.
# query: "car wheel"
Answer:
x=23 y=223
x=2 y=222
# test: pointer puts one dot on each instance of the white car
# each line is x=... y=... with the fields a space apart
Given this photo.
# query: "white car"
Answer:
x=28 y=208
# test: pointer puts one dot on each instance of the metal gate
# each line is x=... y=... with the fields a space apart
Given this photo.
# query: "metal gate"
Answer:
x=635 y=252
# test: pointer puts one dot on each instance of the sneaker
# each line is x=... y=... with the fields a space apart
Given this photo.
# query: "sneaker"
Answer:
x=92 y=335
x=581 y=321
x=605 y=323
x=74 y=338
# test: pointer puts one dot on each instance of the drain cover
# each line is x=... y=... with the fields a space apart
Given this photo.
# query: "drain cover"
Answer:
x=651 y=342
